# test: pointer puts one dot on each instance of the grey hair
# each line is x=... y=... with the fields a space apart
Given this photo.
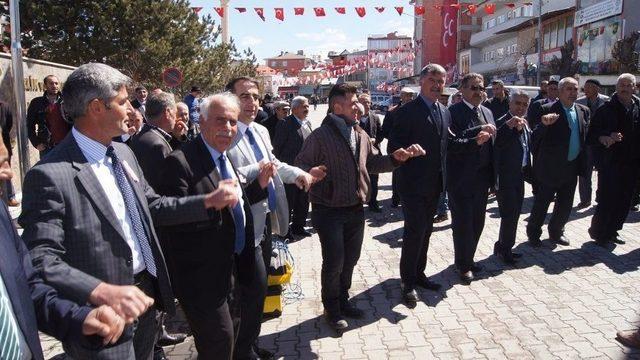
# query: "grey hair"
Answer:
x=516 y=93
x=181 y=104
x=627 y=76
x=157 y=103
x=298 y=101
x=567 y=80
x=226 y=98
x=88 y=82
x=465 y=80
x=432 y=69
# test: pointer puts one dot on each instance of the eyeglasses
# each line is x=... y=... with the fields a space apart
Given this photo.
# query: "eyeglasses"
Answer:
x=477 y=88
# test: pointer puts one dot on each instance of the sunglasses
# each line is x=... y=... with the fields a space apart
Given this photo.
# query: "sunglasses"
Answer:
x=477 y=88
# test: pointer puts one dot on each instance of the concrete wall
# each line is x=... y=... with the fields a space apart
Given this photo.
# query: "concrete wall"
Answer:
x=34 y=73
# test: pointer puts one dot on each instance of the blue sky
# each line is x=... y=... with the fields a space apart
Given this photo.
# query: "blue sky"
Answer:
x=314 y=35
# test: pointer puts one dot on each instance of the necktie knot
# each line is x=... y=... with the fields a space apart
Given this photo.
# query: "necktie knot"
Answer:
x=223 y=159
x=111 y=153
x=250 y=136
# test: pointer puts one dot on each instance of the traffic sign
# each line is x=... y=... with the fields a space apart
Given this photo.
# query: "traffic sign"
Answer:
x=172 y=77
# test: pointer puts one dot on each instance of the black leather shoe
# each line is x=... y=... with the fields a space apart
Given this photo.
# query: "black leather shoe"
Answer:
x=167 y=339
x=337 y=322
x=508 y=259
x=375 y=207
x=263 y=353
x=300 y=232
x=516 y=255
x=347 y=309
x=536 y=243
x=425 y=283
x=440 y=218
x=476 y=268
x=466 y=277
x=395 y=203
x=583 y=205
x=603 y=243
x=158 y=353
x=560 y=240
x=409 y=295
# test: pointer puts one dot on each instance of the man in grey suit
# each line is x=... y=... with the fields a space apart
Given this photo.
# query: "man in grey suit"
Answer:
x=250 y=151
x=88 y=215
x=593 y=100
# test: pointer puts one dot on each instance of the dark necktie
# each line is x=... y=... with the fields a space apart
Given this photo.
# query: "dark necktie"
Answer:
x=238 y=214
x=133 y=211
x=478 y=117
x=436 y=114
x=10 y=335
x=271 y=191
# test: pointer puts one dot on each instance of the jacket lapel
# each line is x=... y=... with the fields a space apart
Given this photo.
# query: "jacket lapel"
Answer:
x=242 y=146
x=208 y=166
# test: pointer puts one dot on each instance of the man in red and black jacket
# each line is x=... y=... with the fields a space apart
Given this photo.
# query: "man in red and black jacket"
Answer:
x=46 y=123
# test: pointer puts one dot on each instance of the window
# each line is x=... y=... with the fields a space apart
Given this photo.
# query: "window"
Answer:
x=568 y=31
x=553 y=38
x=493 y=54
x=510 y=15
x=514 y=48
x=500 y=52
x=502 y=18
x=546 y=39
x=561 y=32
x=284 y=63
x=517 y=12
x=527 y=10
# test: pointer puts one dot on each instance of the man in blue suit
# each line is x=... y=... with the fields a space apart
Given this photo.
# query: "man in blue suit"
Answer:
x=28 y=305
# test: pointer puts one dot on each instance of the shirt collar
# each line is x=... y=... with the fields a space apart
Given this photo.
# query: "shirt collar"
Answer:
x=470 y=105
x=570 y=108
x=426 y=101
x=242 y=127
x=91 y=149
x=215 y=154
x=299 y=121
x=165 y=134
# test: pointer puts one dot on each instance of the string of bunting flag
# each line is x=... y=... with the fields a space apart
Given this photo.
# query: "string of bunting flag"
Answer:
x=361 y=11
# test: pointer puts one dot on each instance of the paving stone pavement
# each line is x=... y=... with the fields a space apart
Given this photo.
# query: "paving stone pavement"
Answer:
x=559 y=303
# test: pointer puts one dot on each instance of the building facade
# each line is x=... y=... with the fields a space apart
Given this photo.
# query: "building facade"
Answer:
x=289 y=64
x=390 y=58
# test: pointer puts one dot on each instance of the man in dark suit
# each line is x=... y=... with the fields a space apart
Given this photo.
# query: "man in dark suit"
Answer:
x=499 y=103
x=470 y=172
x=370 y=123
x=558 y=144
x=281 y=109
x=87 y=215
x=205 y=261
x=423 y=121
x=513 y=166
x=27 y=304
x=615 y=134
x=535 y=108
x=134 y=123
x=151 y=145
x=141 y=99
x=47 y=124
x=287 y=143
x=406 y=95
x=542 y=94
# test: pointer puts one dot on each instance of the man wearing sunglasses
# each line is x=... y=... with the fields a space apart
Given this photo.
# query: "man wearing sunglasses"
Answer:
x=470 y=172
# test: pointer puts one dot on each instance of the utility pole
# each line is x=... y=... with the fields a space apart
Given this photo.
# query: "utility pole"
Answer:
x=540 y=37
x=225 y=21
x=18 y=88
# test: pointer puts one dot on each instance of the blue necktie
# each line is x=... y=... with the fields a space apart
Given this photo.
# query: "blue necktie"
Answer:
x=133 y=211
x=238 y=214
x=271 y=191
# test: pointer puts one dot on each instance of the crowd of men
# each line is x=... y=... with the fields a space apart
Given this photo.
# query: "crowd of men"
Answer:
x=136 y=203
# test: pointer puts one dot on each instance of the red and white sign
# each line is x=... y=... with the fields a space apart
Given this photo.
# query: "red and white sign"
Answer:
x=172 y=77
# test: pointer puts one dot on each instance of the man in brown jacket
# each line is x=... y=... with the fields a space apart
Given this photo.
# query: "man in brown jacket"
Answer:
x=345 y=150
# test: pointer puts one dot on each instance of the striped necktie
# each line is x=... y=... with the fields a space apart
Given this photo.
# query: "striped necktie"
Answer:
x=9 y=332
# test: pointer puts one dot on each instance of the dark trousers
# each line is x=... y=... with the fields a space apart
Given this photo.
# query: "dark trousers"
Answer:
x=298 y=201
x=510 y=197
x=561 y=210
x=617 y=190
x=395 y=198
x=341 y=231
x=251 y=309
x=137 y=340
x=584 y=182
x=215 y=325
x=418 y=211
x=374 y=188
x=468 y=209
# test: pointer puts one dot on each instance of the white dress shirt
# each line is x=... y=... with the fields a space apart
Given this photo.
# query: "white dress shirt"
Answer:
x=96 y=155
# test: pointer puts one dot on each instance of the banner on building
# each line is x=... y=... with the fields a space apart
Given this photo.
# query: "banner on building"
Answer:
x=448 y=43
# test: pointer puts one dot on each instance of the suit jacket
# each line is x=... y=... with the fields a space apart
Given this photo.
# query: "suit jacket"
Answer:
x=550 y=146
x=534 y=113
x=373 y=127
x=600 y=100
x=415 y=125
x=136 y=104
x=270 y=123
x=287 y=142
x=509 y=151
x=35 y=304
x=201 y=253
x=463 y=151
x=242 y=158
x=6 y=123
x=72 y=232
x=151 y=148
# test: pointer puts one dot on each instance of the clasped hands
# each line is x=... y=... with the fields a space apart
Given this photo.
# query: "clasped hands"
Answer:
x=407 y=153
x=613 y=138
x=517 y=122
x=486 y=132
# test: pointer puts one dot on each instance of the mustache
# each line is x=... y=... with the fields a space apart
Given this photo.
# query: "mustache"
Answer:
x=226 y=134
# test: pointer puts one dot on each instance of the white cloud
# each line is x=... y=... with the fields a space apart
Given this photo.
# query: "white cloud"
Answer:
x=249 y=40
x=401 y=26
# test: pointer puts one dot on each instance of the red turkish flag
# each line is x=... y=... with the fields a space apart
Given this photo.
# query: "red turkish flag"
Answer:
x=241 y=9
x=219 y=10
x=361 y=11
x=341 y=10
x=279 y=14
x=380 y=9
x=510 y=5
x=196 y=9
x=319 y=11
x=298 y=11
x=260 y=12
x=399 y=9
x=472 y=9
x=490 y=8
x=419 y=10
